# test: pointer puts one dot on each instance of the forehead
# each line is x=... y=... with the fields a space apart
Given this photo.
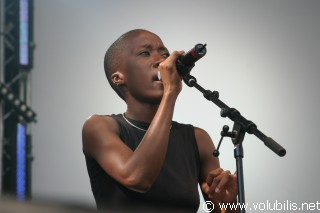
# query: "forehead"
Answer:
x=145 y=39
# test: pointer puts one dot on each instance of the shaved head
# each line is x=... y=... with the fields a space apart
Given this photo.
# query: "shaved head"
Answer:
x=113 y=60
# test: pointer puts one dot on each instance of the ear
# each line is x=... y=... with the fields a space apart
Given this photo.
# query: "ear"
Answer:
x=117 y=78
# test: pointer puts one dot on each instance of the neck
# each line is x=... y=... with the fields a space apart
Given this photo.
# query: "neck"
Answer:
x=141 y=111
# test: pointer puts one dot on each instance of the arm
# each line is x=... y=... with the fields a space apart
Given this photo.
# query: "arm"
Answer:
x=217 y=185
x=138 y=169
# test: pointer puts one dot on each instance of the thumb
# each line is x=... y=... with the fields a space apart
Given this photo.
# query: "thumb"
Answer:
x=205 y=187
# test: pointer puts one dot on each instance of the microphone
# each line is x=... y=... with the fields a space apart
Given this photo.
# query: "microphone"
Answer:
x=186 y=62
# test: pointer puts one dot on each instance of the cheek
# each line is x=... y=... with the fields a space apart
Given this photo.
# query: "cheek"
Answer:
x=136 y=79
x=138 y=74
x=133 y=69
x=144 y=89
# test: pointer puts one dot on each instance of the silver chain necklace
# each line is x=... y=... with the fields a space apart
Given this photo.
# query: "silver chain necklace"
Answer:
x=132 y=123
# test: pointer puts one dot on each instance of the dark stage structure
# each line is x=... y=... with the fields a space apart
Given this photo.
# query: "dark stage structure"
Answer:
x=16 y=62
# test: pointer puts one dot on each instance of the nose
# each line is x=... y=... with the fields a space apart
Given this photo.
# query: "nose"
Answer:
x=158 y=59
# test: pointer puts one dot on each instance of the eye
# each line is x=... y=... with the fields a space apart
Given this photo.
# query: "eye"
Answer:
x=145 y=53
x=166 y=55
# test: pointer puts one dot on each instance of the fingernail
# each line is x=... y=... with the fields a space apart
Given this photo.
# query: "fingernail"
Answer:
x=217 y=190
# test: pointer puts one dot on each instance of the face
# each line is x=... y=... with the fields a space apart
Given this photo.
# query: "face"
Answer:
x=140 y=67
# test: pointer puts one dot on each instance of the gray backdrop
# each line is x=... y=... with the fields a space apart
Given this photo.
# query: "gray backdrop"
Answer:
x=263 y=57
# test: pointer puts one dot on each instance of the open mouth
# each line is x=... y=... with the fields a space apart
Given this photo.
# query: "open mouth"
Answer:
x=157 y=77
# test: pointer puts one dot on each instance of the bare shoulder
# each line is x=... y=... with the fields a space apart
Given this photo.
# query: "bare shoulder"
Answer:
x=203 y=138
x=204 y=142
x=99 y=121
x=97 y=127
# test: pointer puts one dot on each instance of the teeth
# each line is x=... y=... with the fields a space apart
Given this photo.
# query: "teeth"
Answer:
x=159 y=76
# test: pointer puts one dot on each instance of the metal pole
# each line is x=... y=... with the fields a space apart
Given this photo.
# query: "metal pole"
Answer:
x=2 y=21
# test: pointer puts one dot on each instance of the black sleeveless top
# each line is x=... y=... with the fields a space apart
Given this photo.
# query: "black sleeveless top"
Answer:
x=176 y=188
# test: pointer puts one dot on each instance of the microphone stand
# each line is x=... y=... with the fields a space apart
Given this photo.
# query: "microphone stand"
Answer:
x=240 y=128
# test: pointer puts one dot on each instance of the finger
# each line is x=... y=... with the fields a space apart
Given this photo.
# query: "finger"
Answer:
x=216 y=180
x=205 y=188
x=212 y=186
x=225 y=178
x=235 y=179
x=177 y=53
x=212 y=175
x=174 y=56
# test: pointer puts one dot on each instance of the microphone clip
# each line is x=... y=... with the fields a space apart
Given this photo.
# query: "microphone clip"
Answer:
x=225 y=133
